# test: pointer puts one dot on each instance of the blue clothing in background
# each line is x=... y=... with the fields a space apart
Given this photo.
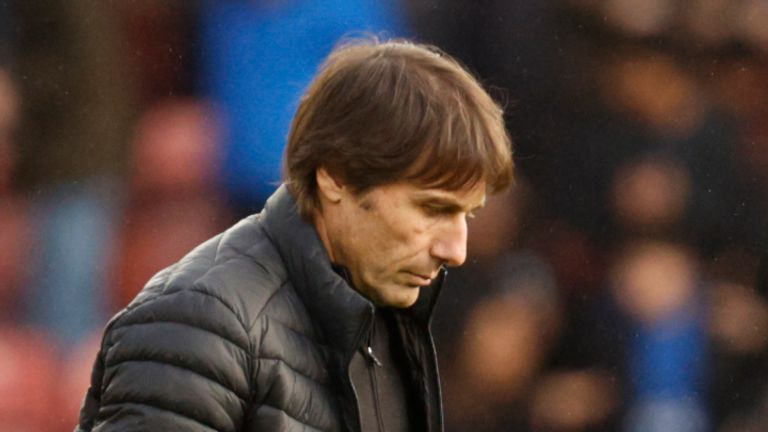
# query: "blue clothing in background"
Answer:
x=257 y=59
x=668 y=365
x=70 y=290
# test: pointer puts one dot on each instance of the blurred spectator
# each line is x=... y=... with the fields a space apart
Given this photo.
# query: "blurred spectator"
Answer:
x=665 y=114
x=575 y=401
x=738 y=81
x=738 y=323
x=650 y=196
x=16 y=246
x=702 y=23
x=27 y=355
x=739 y=319
x=257 y=58
x=505 y=343
x=174 y=200
x=9 y=119
x=68 y=290
x=176 y=150
x=16 y=236
x=658 y=289
x=28 y=379
x=74 y=112
x=497 y=322
x=159 y=47
x=74 y=377
x=76 y=89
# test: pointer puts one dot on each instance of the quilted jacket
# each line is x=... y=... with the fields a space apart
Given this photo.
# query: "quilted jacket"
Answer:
x=251 y=331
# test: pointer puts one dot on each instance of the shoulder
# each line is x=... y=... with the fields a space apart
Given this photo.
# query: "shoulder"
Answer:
x=212 y=326
x=224 y=283
x=182 y=352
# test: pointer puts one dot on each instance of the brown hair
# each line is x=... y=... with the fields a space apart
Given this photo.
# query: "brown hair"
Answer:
x=381 y=112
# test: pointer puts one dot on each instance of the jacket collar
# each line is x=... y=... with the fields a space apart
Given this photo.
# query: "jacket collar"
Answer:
x=341 y=312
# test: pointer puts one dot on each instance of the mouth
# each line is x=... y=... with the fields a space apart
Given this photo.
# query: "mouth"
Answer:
x=419 y=280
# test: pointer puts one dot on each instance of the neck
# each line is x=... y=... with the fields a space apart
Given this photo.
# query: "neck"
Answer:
x=322 y=232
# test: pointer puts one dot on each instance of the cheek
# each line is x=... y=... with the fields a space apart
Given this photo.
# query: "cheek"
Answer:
x=391 y=228
x=408 y=244
x=384 y=252
x=391 y=238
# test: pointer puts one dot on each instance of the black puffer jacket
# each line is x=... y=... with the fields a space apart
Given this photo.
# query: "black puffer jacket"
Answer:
x=251 y=331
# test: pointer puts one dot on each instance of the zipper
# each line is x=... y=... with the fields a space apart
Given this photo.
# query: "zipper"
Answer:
x=374 y=363
x=423 y=355
x=372 y=357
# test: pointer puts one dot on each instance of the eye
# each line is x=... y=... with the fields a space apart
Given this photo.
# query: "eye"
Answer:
x=438 y=211
x=435 y=210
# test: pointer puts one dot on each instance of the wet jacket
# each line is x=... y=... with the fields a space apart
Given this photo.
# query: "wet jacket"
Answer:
x=253 y=330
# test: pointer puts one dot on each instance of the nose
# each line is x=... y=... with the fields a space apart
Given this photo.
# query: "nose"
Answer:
x=450 y=243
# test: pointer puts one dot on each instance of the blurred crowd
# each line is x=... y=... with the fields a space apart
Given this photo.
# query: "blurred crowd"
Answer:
x=621 y=285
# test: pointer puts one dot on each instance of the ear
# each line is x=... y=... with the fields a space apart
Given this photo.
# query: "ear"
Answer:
x=330 y=189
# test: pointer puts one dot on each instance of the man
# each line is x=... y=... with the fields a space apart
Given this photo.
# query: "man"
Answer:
x=313 y=314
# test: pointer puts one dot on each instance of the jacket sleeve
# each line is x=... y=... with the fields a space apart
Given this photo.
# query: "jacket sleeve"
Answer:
x=180 y=361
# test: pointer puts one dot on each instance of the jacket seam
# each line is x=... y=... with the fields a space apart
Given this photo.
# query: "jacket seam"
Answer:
x=151 y=405
x=183 y=368
x=261 y=313
x=226 y=338
x=290 y=328
x=266 y=303
x=247 y=330
x=252 y=354
x=282 y=410
x=282 y=360
x=224 y=303
x=218 y=249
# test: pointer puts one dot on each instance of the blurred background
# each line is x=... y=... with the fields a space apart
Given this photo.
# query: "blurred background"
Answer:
x=620 y=286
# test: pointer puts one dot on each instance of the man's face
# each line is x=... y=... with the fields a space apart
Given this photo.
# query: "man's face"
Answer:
x=393 y=239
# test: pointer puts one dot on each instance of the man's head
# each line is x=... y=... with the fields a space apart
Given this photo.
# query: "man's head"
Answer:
x=392 y=147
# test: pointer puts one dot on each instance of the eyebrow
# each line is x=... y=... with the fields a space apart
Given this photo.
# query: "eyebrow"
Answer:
x=448 y=202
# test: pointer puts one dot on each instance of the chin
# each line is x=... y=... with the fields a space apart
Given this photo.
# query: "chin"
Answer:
x=402 y=300
x=391 y=294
